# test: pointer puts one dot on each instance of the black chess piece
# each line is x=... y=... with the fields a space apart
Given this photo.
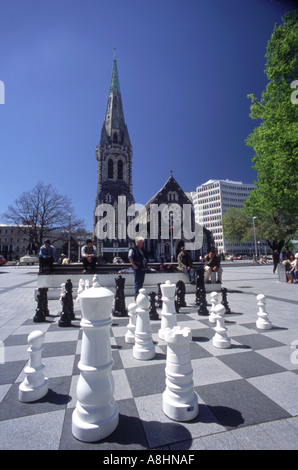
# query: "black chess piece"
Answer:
x=224 y=299
x=152 y=307
x=68 y=289
x=40 y=316
x=120 y=309
x=159 y=296
x=64 y=320
x=180 y=292
x=202 y=302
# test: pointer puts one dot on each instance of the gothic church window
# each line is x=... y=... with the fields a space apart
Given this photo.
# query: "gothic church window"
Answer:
x=120 y=170
x=115 y=138
x=110 y=169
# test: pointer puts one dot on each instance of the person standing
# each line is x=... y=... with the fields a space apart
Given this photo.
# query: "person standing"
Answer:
x=138 y=258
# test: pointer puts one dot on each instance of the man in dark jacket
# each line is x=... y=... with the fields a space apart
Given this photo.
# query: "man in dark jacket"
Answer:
x=138 y=258
x=212 y=264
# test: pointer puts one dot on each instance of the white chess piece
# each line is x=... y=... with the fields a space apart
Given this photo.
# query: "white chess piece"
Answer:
x=180 y=402
x=96 y=414
x=95 y=281
x=87 y=284
x=263 y=322
x=220 y=339
x=35 y=384
x=214 y=301
x=144 y=348
x=168 y=311
x=81 y=287
x=130 y=334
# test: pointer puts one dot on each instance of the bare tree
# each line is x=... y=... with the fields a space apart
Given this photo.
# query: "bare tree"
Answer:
x=43 y=212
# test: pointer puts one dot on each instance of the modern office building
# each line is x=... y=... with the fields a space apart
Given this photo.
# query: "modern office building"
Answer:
x=211 y=200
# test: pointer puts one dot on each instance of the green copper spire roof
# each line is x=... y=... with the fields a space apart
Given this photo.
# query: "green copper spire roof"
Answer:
x=115 y=84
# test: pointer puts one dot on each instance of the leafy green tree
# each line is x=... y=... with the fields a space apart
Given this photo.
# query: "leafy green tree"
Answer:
x=237 y=225
x=275 y=140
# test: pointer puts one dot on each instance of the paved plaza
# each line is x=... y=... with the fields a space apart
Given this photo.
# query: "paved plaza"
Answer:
x=247 y=394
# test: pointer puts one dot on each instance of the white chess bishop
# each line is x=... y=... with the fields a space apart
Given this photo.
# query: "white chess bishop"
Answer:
x=35 y=384
x=131 y=327
x=96 y=414
x=180 y=402
x=144 y=348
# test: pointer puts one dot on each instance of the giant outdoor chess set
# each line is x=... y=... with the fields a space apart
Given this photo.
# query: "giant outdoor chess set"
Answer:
x=177 y=377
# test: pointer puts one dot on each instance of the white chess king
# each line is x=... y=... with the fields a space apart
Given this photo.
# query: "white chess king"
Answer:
x=96 y=414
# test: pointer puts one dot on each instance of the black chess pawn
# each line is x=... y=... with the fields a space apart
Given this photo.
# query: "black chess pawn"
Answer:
x=39 y=316
x=120 y=309
x=180 y=292
x=152 y=306
x=65 y=319
x=224 y=299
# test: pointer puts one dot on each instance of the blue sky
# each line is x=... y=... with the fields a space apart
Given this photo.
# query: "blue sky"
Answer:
x=185 y=69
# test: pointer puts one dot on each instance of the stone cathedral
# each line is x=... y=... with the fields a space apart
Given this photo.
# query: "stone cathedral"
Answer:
x=114 y=171
x=114 y=189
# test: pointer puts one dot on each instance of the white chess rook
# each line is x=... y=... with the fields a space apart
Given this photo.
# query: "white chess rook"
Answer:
x=180 y=402
x=35 y=384
x=168 y=311
x=263 y=322
x=96 y=414
x=220 y=339
x=131 y=327
x=144 y=348
x=214 y=301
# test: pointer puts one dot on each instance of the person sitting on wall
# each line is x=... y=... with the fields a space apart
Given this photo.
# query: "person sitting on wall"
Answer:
x=89 y=258
x=46 y=256
x=212 y=264
x=185 y=264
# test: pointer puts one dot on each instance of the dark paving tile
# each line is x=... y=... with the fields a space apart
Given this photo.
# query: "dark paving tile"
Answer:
x=257 y=341
x=250 y=364
x=238 y=403
x=146 y=380
x=10 y=371
x=56 y=398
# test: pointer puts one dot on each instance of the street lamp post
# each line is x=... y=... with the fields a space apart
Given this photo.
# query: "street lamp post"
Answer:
x=254 y=229
x=69 y=215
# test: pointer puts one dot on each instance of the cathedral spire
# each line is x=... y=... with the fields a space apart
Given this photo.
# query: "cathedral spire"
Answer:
x=114 y=128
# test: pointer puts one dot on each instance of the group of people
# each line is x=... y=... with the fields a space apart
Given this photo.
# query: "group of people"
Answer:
x=138 y=258
x=47 y=256
x=291 y=263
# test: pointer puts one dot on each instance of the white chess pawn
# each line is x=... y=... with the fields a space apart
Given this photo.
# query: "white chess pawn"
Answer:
x=35 y=384
x=263 y=322
x=130 y=334
x=96 y=414
x=220 y=339
x=168 y=311
x=144 y=348
x=214 y=301
x=180 y=401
